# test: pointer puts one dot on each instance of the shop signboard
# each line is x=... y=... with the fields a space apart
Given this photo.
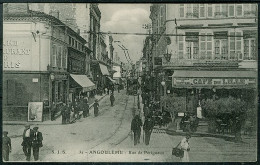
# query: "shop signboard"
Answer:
x=216 y=82
x=35 y=110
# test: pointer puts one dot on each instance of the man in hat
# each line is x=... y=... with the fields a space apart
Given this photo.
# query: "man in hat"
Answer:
x=27 y=141
x=36 y=143
x=63 y=113
x=148 y=128
x=6 y=146
x=112 y=99
x=96 y=105
x=136 y=128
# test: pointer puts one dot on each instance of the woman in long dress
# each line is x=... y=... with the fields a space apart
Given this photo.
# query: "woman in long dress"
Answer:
x=186 y=148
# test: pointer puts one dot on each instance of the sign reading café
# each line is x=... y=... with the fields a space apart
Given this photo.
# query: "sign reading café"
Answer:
x=214 y=82
x=17 y=53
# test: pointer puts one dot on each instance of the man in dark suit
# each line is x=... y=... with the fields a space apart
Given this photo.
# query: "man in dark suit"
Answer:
x=6 y=146
x=136 y=128
x=148 y=128
x=27 y=142
x=36 y=143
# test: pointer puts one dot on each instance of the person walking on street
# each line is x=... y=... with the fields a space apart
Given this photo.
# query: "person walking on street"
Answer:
x=96 y=105
x=36 y=143
x=6 y=146
x=27 y=142
x=148 y=128
x=53 y=111
x=186 y=148
x=68 y=112
x=112 y=99
x=136 y=125
x=85 y=107
x=63 y=113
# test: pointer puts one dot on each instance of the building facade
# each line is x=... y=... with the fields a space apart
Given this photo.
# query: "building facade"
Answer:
x=192 y=43
x=35 y=62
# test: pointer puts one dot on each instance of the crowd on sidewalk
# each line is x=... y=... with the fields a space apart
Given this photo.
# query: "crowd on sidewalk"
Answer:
x=32 y=138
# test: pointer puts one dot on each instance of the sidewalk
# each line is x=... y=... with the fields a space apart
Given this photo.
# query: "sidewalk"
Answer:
x=202 y=132
x=48 y=122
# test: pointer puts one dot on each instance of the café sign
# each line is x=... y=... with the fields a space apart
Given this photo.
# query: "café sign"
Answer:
x=216 y=82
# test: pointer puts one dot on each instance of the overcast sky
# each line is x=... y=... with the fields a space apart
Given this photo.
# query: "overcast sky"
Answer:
x=126 y=18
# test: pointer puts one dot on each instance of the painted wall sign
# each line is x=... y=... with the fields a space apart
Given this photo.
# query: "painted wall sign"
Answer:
x=17 y=53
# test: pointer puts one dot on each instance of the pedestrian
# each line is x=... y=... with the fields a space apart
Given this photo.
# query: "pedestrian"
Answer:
x=27 y=142
x=36 y=143
x=118 y=88
x=185 y=147
x=85 y=107
x=96 y=105
x=68 y=112
x=136 y=125
x=53 y=111
x=63 y=113
x=112 y=99
x=6 y=146
x=148 y=129
x=76 y=109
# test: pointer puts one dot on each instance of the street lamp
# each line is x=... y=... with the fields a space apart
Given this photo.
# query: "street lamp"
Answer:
x=167 y=56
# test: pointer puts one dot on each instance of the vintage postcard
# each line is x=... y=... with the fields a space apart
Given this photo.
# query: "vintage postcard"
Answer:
x=121 y=82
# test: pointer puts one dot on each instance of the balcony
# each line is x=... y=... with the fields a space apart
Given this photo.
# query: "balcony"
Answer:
x=202 y=59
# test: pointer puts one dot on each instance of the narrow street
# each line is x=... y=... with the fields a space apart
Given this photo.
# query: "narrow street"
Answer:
x=105 y=137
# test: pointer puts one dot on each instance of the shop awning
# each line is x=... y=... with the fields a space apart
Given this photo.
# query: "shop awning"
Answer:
x=214 y=79
x=113 y=81
x=84 y=82
x=104 y=69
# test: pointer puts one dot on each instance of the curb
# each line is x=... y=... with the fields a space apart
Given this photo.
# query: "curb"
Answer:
x=199 y=134
x=41 y=123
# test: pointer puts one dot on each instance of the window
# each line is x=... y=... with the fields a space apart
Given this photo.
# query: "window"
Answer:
x=65 y=58
x=189 y=11
x=224 y=8
x=161 y=15
x=221 y=45
x=202 y=10
x=210 y=10
x=181 y=46
x=250 y=49
x=59 y=55
x=231 y=10
x=196 y=10
x=249 y=10
x=206 y=46
x=239 y=10
x=181 y=10
x=54 y=56
x=232 y=45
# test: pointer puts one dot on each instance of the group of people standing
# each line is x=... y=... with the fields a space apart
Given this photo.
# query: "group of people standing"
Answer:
x=32 y=140
x=71 y=112
x=136 y=125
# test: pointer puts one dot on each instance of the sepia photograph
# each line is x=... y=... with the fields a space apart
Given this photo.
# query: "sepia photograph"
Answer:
x=130 y=82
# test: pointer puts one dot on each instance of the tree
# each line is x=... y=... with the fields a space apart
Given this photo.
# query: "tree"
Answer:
x=235 y=107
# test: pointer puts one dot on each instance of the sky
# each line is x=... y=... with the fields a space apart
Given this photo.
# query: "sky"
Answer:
x=126 y=18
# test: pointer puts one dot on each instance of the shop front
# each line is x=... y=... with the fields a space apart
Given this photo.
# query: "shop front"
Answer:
x=80 y=85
